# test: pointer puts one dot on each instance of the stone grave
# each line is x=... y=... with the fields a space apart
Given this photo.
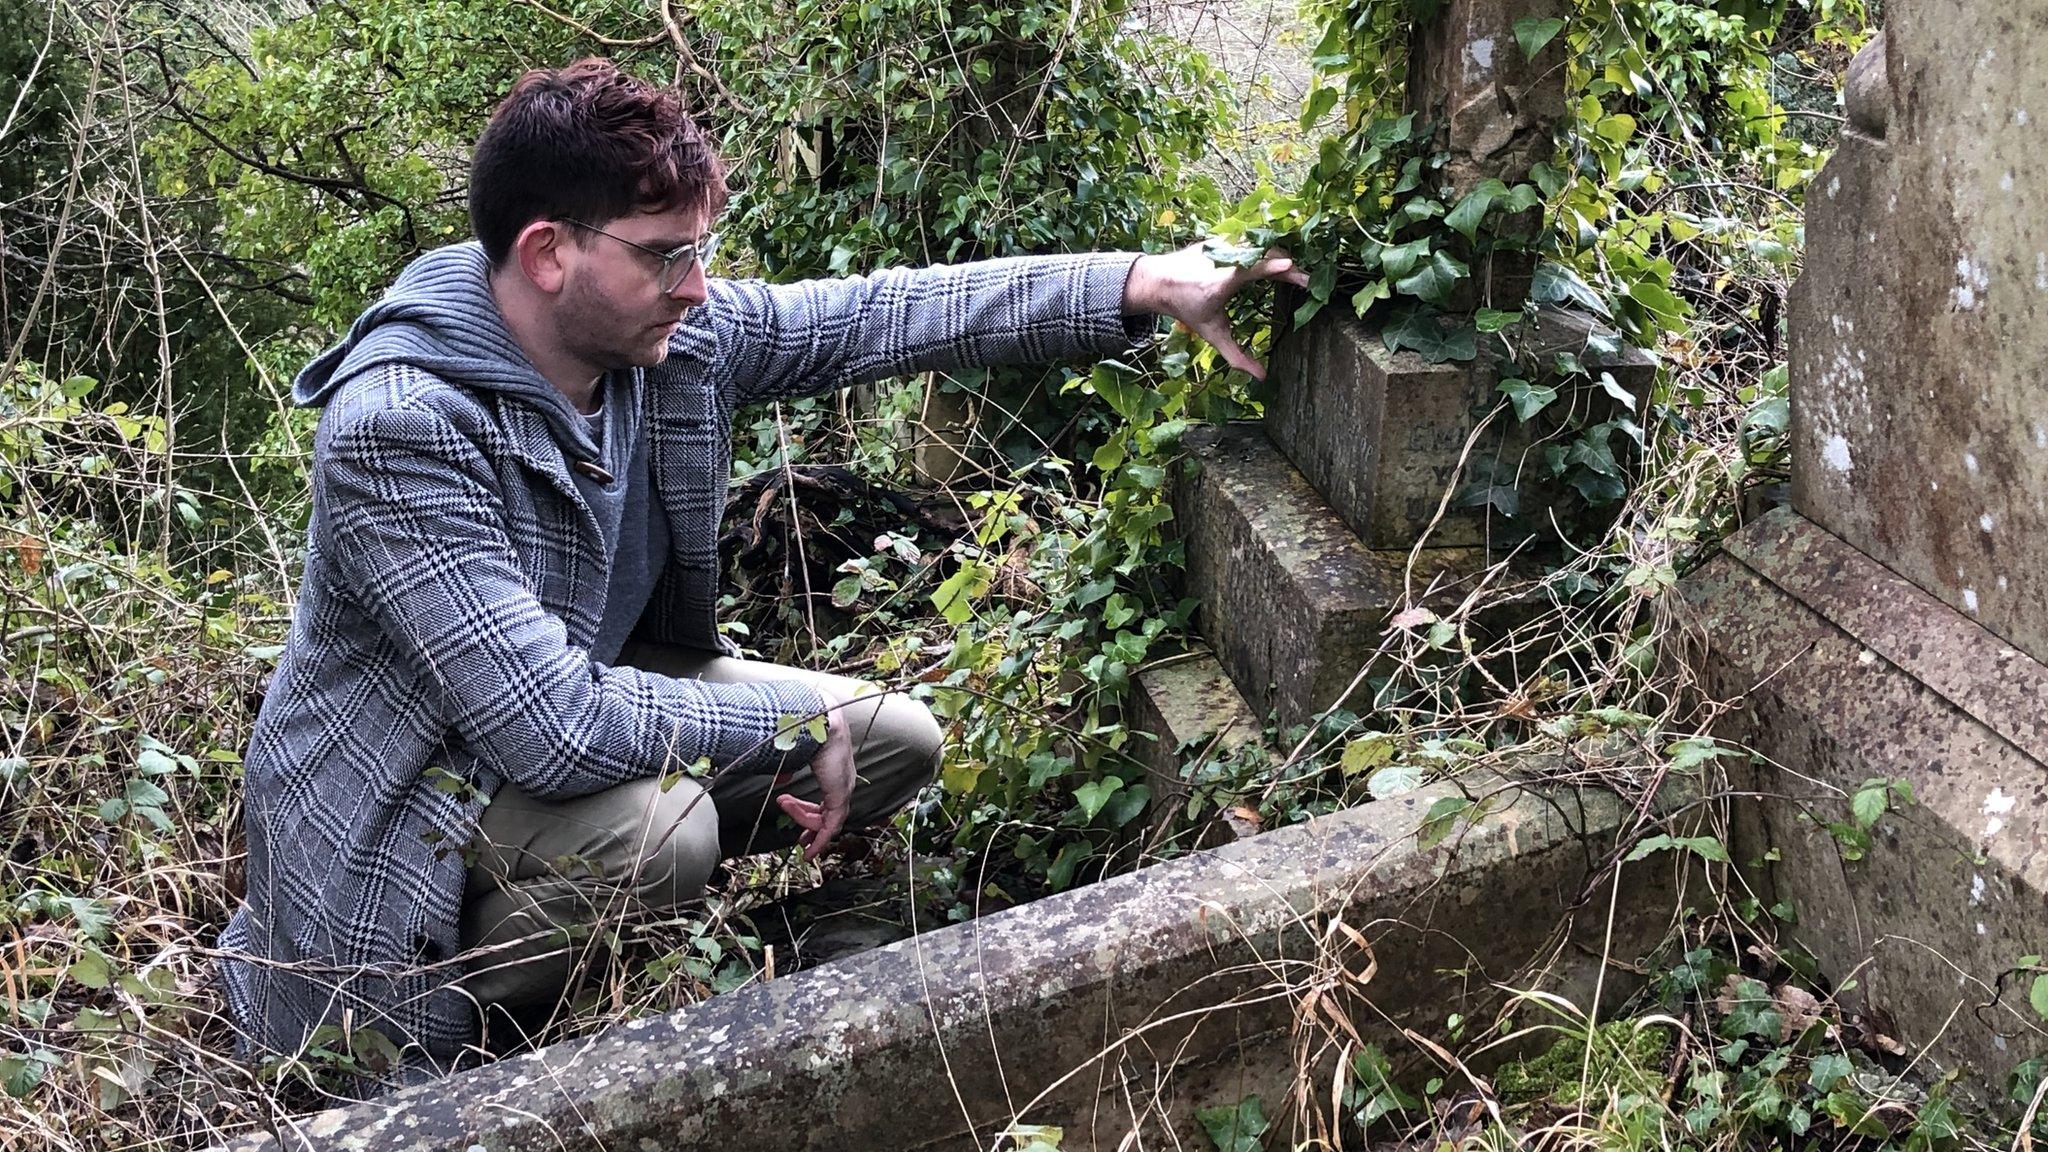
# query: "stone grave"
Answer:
x=1892 y=623
x=1302 y=531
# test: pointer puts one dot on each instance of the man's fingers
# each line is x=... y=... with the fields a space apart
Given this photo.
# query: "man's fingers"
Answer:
x=834 y=820
x=1220 y=336
x=1277 y=269
x=804 y=812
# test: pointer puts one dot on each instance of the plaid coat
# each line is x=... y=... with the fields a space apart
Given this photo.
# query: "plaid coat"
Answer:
x=454 y=579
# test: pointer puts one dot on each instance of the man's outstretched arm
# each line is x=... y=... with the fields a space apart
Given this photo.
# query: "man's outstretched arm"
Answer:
x=816 y=335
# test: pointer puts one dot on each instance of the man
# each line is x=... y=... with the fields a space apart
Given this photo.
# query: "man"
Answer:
x=504 y=707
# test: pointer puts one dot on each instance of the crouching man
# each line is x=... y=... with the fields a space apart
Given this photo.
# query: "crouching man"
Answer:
x=504 y=709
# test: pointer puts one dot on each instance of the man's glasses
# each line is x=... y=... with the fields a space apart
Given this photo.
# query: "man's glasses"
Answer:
x=675 y=263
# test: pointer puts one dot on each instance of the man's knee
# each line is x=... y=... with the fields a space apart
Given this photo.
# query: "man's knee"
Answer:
x=674 y=845
x=914 y=736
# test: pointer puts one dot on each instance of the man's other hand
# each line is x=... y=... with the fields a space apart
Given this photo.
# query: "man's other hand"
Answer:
x=1193 y=289
x=822 y=819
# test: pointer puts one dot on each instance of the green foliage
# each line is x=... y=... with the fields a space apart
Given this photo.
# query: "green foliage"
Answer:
x=1235 y=1128
x=1672 y=106
x=1765 y=1062
x=1626 y=1058
x=320 y=154
x=904 y=132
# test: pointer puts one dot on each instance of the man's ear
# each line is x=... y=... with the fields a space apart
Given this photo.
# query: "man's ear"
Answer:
x=544 y=250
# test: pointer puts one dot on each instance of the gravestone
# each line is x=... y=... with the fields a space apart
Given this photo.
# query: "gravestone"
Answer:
x=1891 y=624
x=1299 y=531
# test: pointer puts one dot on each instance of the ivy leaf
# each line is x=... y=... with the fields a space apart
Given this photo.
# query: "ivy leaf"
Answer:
x=2038 y=995
x=1366 y=753
x=955 y=598
x=1061 y=872
x=1827 y=1070
x=1394 y=780
x=960 y=777
x=1493 y=319
x=1554 y=283
x=1595 y=454
x=1427 y=334
x=20 y=1074
x=1319 y=102
x=1612 y=387
x=1415 y=210
x=1400 y=259
x=1441 y=819
x=1235 y=1129
x=1226 y=254
x=1533 y=32
x=1434 y=280
x=1528 y=399
x=1471 y=211
x=1523 y=197
x=1658 y=299
x=1126 y=804
x=1363 y=299
x=1868 y=804
x=1707 y=847
x=92 y=969
x=1750 y=1009
x=1688 y=754
x=1616 y=128
x=1386 y=133
x=1092 y=796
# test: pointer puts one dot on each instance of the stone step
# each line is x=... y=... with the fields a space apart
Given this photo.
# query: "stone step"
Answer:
x=1193 y=715
x=1381 y=434
x=1292 y=602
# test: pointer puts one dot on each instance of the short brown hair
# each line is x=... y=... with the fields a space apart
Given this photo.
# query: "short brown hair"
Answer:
x=591 y=143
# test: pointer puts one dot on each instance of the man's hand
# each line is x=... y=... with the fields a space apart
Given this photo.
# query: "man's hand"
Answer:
x=1193 y=289
x=822 y=819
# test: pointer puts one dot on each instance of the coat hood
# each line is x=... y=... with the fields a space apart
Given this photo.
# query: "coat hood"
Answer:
x=440 y=317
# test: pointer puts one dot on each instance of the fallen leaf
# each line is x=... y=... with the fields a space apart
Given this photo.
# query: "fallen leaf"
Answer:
x=1414 y=618
x=1800 y=1008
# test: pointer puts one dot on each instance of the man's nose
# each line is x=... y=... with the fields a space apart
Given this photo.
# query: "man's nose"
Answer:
x=691 y=289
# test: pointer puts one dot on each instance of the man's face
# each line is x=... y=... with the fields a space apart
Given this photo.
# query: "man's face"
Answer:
x=611 y=310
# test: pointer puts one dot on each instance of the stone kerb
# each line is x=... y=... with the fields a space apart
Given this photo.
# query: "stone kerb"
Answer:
x=1146 y=995
x=1852 y=673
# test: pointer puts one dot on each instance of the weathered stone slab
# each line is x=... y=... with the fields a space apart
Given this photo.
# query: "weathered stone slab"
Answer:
x=1849 y=673
x=1382 y=435
x=1920 y=323
x=1098 y=1010
x=1187 y=702
x=1498 y=108
x=1292 y=601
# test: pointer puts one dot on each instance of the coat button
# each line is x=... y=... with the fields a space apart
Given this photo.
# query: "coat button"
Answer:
x=591 y=469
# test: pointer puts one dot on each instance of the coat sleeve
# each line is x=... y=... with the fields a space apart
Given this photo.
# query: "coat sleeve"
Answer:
x=816 y=335
x=418 y=531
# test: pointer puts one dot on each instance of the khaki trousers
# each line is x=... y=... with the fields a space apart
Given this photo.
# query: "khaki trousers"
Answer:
x=547 y=870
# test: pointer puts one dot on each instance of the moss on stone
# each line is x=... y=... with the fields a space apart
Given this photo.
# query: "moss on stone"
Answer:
x=1626 y=1060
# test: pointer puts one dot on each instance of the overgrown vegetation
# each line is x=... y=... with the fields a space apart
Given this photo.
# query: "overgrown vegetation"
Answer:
x=192 y=200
